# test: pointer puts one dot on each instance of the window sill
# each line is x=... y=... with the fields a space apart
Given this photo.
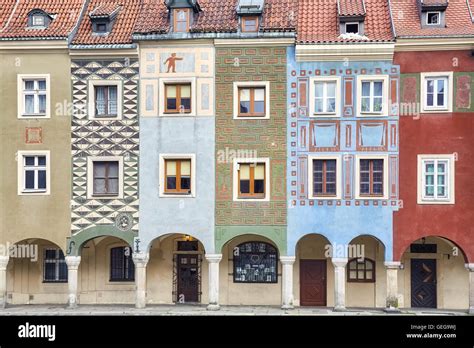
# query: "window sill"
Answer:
x=29 y=116
x=54 y=281
x=324 y=115
x=34 y=193
x=371 y=114
x=105 y=196
x=435 y=202
x=328 y=198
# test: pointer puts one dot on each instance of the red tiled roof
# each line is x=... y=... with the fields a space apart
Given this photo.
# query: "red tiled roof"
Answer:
x=407 y=20
x=122 y=28
x=318 y=22
x=351 y=7
x=105 y=9
x=217 y=16
x=65 y=17
x=434 y=2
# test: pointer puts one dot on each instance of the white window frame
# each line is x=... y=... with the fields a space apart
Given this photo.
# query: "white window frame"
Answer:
x=235 y=180
x=90 y=176
x=348 y=23
x=162 y=101
x=21 y=95
x=177 y=156
x=21 y=173
x=385 y=176
x=338 y=176
x=252 y=84
x=439 y=17
x=449 y=93
x=450 y=179
x=35 y=16
x=312 y=91
x=91 y=98
x=385 y=95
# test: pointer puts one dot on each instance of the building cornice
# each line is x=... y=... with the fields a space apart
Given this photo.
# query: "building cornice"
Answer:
x=92 y=51
x=255 y=42
x=33 y=44
x=434 y=44
x=343 y=52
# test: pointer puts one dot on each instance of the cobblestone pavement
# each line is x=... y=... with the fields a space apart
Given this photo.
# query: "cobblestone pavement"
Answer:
x=190 y=310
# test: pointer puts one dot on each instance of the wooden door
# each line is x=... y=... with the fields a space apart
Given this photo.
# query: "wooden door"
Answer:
x=423 y=283
x=188 y=278
x=313 y=282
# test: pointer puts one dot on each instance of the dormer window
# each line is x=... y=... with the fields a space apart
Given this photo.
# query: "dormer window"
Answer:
x=351 y=16
x=38 y=19
x=433 y=18
x=432 y=13
x=250 y=24
x=181 y=20
x=352 y=27
x=103 y=18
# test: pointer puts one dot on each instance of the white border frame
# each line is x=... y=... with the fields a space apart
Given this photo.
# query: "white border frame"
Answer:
x=20 y=100
x=385 y=96
x=358 y=27
x=167 y=156
x=161 y=95
x=235 y=98
x=235 y=176
x=91 y=98
x=385 y=177
x=450 y=180
x=449 y=93
x=338 y=176
x=90 y=176
x=312 y=88
x=21 y=176
x=439 y=18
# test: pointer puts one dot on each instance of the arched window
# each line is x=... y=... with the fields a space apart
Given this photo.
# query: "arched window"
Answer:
x=38 y=19
x=361 y=271
x=255 y=262
x=122 y=268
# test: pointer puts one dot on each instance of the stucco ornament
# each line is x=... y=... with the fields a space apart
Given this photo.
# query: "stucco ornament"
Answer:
x=124 y=222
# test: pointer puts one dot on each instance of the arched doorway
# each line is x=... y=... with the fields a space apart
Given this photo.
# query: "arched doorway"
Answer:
x=313 y=272
x=36 y=273
x=177 y=270
x=250 y=267
x=365 y=273
x=434 y=275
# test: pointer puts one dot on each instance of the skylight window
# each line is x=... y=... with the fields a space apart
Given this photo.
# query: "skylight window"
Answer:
x=433 y=18
x=352 y=28
x=38 y=19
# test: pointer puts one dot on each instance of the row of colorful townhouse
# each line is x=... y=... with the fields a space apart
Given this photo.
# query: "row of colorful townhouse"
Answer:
x=237 y=152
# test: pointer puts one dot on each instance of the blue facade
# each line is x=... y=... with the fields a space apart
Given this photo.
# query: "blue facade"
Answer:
x=348 y=136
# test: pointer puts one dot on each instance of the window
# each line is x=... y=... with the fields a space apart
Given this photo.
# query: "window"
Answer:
x=55 y=267
x=122 y=268
x=178 y=98
x=324 y=177
x=100 y=27
x=249 y=24
x=361 y=271
x=33 y=172
x=251 y=180
x=373 y=94
x=436 y=91
x=38 y=20
x=352 y=27
x=252 y=100
x=371 y=177
x=181 y=20
x=256 y=262
x=433 y=18
x=105 y=101
x=436 y=179
x=325 y=98
x=105 y=177
x=178 y=176
x=33 y=96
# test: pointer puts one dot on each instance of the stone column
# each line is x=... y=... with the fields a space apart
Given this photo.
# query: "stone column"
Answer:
x=287 y=282
x=339 y=283
x=3 y=280
x=72 y=276
x=391 y=304
x=213 y=260
x=470 y=268
x=140 y=260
